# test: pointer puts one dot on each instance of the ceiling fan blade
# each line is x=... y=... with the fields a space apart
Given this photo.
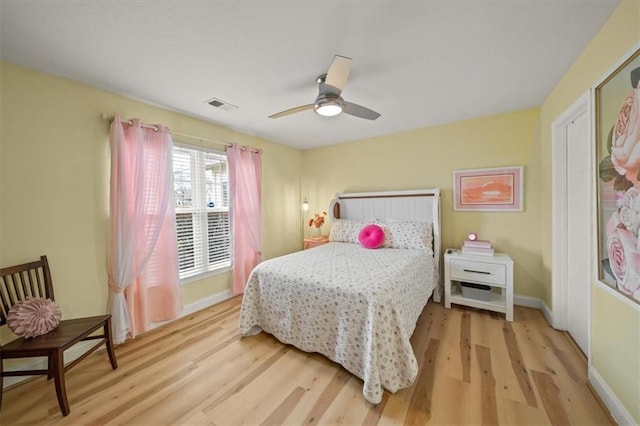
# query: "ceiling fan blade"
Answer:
x=360 y=111
x=338 y=74
x=291 y=111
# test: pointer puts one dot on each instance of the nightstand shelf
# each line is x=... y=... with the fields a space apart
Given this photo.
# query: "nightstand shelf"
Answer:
x=496 y=302
x=495 y=271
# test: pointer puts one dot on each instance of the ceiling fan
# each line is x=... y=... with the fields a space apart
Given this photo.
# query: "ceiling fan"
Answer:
x=330 y=86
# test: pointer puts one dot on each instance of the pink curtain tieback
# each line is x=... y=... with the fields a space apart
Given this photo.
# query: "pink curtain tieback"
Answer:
x=116 y=289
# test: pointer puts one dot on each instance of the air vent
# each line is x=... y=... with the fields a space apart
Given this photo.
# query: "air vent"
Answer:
x=220 y=104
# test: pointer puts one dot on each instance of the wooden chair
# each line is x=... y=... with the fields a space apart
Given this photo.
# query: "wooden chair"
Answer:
x=34 y=279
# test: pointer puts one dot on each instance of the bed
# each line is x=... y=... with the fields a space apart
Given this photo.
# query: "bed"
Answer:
x=356 y=306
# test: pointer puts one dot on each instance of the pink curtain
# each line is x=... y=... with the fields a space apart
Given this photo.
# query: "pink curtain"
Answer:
x=245 y=187
x=143 y=254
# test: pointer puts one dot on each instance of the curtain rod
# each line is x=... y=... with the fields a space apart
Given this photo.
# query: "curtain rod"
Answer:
x=109 y=118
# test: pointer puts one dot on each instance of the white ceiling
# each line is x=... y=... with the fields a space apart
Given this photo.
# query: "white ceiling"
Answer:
x=418 y=63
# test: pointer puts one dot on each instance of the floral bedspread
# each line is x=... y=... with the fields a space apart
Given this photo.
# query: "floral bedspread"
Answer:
x=356 y=306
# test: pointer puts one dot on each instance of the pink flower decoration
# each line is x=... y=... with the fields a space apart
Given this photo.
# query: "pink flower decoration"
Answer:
x=624 y=259
x=616 y=256
x=630 y=210
x=317 y=220
x=625 y=150
x=33 y=317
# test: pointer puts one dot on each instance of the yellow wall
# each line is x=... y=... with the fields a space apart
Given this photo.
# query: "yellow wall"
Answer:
x=54 y=187
x=615 y=338
x=54 y=183
x=426 y=158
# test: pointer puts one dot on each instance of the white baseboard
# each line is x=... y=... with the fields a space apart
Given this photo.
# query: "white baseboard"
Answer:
x=610 y=400
x=547 y=312
x=197 y=306
x=534 y=302
x=529 y=302
x=206 y=302
x=77 y=350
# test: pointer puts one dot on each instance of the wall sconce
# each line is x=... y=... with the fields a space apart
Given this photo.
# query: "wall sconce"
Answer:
x=304 y=208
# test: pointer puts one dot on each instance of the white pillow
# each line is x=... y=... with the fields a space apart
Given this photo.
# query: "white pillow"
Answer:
x=346 y=230
x=408 y=235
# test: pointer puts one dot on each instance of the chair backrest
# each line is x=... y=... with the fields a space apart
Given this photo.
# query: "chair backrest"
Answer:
x=21 y=281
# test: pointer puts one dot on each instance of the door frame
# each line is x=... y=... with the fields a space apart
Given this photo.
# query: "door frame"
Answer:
x=559 y=278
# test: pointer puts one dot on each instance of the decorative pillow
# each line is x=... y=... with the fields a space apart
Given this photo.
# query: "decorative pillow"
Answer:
x=33 y=317
x=371 y=236
x=346 y=230
x=408 y=235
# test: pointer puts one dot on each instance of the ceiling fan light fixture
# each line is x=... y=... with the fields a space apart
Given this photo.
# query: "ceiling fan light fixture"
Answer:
x=328 y=109
x=329 y=103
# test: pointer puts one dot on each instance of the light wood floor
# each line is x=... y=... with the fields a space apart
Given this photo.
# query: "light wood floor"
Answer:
x=475 y=368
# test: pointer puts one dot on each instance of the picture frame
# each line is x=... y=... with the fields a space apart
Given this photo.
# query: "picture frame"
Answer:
x=617 y=162
x=498 y=189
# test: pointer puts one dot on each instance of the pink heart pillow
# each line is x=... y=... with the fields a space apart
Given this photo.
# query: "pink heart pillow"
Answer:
x=371 y=236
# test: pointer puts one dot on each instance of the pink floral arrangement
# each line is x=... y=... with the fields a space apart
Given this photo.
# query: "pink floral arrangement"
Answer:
x=317 y=220
x=621 y=169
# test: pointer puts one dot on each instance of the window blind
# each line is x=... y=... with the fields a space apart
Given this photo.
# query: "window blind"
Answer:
x=201 y=194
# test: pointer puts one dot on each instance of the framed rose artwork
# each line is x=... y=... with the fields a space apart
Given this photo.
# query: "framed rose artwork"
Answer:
x=495 y=189
x=617 y=121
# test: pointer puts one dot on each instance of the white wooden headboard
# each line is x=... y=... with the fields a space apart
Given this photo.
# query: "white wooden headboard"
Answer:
x=419 y=205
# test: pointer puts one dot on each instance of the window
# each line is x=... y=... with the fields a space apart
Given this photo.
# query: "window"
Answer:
x=201 y=195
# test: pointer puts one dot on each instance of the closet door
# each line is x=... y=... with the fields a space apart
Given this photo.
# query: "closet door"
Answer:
x=578 y=231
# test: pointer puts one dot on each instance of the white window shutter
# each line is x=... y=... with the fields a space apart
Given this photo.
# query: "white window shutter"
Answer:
x=201 y=193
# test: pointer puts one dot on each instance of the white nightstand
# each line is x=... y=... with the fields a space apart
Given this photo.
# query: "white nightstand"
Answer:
x=495 y=271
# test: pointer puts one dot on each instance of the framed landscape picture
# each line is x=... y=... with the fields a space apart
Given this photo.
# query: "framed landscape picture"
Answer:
x=494 y=189
x=617 y=121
